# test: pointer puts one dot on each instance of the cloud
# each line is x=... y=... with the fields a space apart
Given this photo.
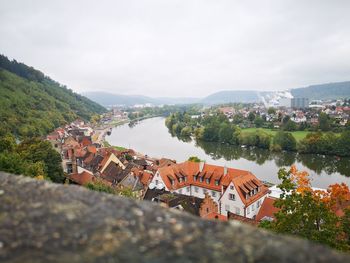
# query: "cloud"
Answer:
x=180 y=47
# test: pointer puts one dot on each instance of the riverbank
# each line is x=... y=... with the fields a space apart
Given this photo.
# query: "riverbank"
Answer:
x=152 y=138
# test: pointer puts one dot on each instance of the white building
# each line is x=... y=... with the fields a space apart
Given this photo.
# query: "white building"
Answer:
x=235 y=191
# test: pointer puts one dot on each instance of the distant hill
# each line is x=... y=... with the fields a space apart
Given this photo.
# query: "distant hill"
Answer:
x=335 y=90
x=109 y=99
x=33 y=104
x=231 y=96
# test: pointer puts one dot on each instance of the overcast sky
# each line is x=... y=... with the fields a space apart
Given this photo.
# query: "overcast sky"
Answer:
x=180 y=48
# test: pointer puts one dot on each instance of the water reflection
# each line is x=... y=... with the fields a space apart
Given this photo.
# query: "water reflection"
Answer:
x=316 y=163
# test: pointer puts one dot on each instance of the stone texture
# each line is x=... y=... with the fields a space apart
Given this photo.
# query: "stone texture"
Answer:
x=45 y=222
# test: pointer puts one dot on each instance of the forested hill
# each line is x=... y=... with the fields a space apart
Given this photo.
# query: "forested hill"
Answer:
x=335 y=90
x=33 y=104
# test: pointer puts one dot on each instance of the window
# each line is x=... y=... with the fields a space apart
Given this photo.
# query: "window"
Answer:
x=180 y=191
x=172 y=182
x=185 y=179
x=232 y=187
x=204 y=191
x=188 y=189
x=195 y=178
x=232 y=197
x=180 y=180
x=201 y=179
x=196 y=189
x=248 y=210
x=238 y=211
x=253 y=207
x=157 y=182
x=258 y=204
x=216 y=182
x=207 y=180
x=227 y=207
x=213 y=193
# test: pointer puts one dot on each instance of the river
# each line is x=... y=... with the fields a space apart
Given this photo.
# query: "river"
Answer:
x=151 y=137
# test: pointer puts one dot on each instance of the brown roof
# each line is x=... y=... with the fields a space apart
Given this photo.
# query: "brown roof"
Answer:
x=113 y=173
x=82 y=178
x=243 y=219
x=267 y=209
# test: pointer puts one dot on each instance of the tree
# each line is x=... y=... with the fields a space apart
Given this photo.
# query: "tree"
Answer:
x=290 y=126
x=258 y=122
x=7 y=143
x=324 y=122
x=302 y=213
x=271 y=111
x=225 y=133
x=251 y=116
x=285 y=140
x=194 y=159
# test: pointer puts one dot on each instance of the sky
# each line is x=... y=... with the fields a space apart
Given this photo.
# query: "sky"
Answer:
x=180 y=48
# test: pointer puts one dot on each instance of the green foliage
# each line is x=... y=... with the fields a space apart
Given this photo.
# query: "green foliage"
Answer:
x=194 y=159
x=33 y=104
x=303 y=215
x=271 y=111
x=36 y=150
x=101 y=186
x=284 y=141
x=32 y=157
x=324 y=122
x=326 y=143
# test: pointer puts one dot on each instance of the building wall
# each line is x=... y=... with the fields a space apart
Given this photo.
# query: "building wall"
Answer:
x=208 y=206
x=253 y=209
x=234 y=206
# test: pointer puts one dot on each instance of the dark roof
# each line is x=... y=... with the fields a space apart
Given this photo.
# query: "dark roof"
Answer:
x=113 y=173
x=250 y=221
x=95 y=162
x=189 y=204
x=141 y=162
x=152 y=193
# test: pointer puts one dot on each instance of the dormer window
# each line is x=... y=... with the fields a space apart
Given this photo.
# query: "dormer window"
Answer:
x=207 y=180
x=201 y=179
x=180 y=180
x=216 y=182
x=195 y=178
x=185 y=178
x=172 y=182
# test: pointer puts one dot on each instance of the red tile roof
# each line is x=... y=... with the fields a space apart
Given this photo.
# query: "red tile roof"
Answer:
x=188 y=173
x=146 y=178
x=82 y=178
x=267 y=209
x=215 y=216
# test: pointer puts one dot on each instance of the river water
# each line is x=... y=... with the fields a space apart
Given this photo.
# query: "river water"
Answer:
x=152 y=137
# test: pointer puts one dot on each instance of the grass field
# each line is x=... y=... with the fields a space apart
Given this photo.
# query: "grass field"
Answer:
x=298 y=135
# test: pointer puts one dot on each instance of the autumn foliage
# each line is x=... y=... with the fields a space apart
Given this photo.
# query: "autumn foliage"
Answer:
x=319 y=215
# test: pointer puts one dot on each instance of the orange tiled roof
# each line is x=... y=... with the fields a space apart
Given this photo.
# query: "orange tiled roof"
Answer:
x=215 y=216
x=267 y=209
x=145 y=178
x=82 y=178
x=213 y=178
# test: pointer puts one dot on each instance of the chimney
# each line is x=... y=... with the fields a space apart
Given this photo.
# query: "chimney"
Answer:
x=201 y=166
x=74 y=163
x=225 y=170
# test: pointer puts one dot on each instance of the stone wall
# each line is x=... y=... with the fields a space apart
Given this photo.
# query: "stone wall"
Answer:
x=45 y=222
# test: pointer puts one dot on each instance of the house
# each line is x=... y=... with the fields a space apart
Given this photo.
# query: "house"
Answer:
x=267 y=210
x=81 y=178
x=236 y=191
